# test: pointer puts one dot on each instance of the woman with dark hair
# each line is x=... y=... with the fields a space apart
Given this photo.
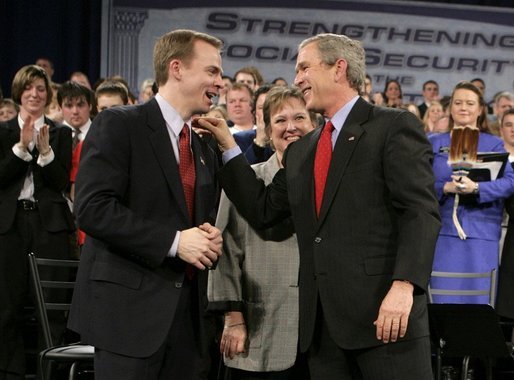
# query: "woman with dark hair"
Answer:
x=471 y=212
x=35 y=160
x=393 y=94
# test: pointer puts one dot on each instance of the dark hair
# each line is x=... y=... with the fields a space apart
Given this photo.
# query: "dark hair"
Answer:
x=74 y=90
x=113 y=87
x=430 y=81
x=387 y=85
x=261 y=90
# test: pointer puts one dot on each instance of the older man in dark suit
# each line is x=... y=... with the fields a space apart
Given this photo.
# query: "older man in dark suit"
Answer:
x=361 y=195
x=144 y=183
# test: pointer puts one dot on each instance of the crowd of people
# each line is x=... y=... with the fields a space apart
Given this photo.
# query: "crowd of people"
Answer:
x=315 y=261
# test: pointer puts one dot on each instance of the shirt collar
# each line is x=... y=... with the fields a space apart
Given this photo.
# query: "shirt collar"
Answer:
x=171 y=116
x=340 y=116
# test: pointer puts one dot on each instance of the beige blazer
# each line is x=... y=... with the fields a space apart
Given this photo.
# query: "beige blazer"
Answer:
x=258 y=272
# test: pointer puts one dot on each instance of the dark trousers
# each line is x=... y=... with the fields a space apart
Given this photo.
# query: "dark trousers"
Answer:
x=298 y=371
x=179 y=357
x=402 y=360
x=26 y=235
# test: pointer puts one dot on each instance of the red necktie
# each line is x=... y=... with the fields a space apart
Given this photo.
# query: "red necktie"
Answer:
x=322 y=163
x=187 y=171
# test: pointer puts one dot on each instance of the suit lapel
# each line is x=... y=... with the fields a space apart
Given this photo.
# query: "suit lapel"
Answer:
x=163 y=150
x=346 y=143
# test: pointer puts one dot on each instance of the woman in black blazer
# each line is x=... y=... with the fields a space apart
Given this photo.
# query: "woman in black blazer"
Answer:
x=35 y=159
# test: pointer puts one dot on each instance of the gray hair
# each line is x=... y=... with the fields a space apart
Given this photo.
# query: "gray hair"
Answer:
x=332 y=47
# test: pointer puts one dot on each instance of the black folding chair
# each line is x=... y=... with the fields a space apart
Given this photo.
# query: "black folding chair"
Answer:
x=69 y=353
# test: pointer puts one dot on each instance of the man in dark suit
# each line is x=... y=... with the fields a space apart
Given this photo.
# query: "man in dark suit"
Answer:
x=145 y=181
x=367 y=236
x=430 y=94
x=35 y=160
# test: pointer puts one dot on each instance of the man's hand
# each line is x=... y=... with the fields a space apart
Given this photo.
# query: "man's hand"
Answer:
x=393 y=316
x=200 y=247
x=218 y=128
x=234 y=335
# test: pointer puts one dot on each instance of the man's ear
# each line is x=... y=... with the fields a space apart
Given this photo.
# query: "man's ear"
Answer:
x=175 y=69
x=341 y=66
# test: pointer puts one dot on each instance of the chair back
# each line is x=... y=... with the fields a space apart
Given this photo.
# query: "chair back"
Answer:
x=44 y=289
x=489 y=291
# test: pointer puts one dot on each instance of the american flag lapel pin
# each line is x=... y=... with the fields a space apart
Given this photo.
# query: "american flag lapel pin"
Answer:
x=202 y=161
x=351 y=138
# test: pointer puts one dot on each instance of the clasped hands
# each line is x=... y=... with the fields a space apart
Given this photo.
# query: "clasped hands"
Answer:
x=200 y=246
x=459 y=185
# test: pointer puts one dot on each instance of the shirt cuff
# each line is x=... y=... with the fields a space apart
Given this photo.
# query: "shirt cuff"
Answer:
x=173 y=250
x=21 y=153
x=45 y=160
x=230 y=154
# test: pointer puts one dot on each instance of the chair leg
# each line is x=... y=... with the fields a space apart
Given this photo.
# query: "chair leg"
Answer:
x=465 y=366
x=72 y=371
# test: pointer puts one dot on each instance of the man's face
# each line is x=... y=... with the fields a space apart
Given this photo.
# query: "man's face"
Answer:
x=431 y=92
x=76 y=111
x=201 y=78
x=314 y=78
x=239 y=106
x=480 y=86
x=46 y=65
x=247 y=79
x=503 y=105
x=105 y=101
x=507 y=130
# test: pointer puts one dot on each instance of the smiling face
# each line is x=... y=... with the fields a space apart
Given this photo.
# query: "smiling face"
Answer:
x=289 y=122
x=314 y=78
x=465 y=107
x=33 y=98
x=201 y=78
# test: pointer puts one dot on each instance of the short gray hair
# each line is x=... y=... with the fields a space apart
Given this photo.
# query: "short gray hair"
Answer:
x=332 y=47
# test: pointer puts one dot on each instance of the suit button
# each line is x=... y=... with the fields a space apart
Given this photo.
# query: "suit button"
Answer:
x=178 y=285
x=317 y=239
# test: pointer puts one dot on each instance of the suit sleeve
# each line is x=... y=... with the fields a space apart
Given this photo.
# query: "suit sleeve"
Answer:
x=102 y=206
x=262 y=206
x=410 y=180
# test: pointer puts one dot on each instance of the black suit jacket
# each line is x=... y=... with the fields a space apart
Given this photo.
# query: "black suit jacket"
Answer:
x=130 y=202
x=379 y=220
x=49 y=181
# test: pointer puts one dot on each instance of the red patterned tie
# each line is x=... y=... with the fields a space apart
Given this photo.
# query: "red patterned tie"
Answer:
x=322 y=163
x=187 y=169
x=188 y=176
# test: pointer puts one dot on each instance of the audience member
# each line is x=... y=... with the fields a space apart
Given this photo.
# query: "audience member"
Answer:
x=279 y=82
x=81 y=78
x=110 y=94
x=503 y=101
x=470 y=234
x=393 y=94
x=367 y=240
x=432 y=115
x=247 y=77
x=430 y=94
x=47 y=65
x=35 y=157
x=480 y=84
x=132 y=99
x=8 y=109
x=145 y=91
x=411 y=107
x=255 y=312
x=141 y=288
x=239 y=107
x=53 y=111
x=76 y=103
x=254 y=143
x=227 y=83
